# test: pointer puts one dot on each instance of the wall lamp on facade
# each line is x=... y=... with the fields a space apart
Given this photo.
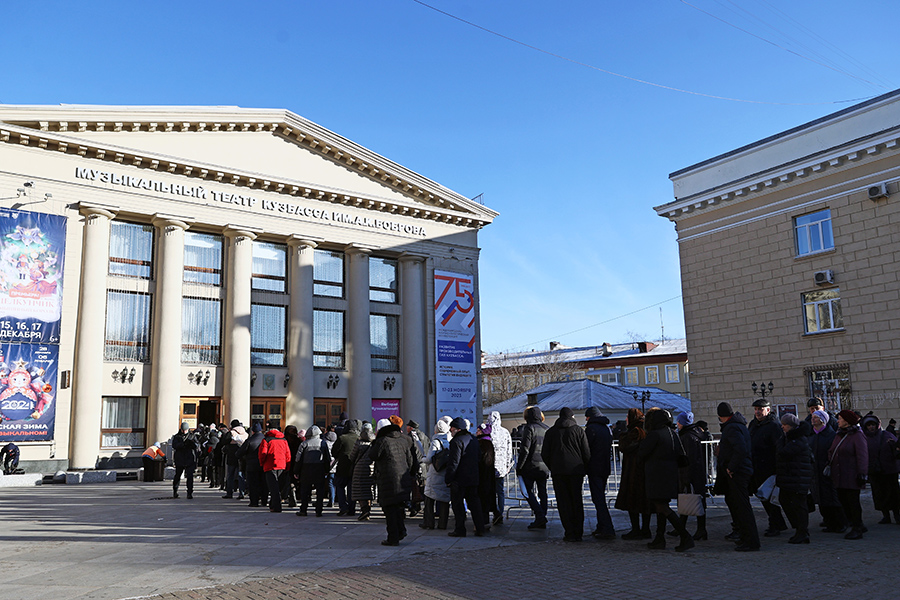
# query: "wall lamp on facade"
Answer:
x=125 y=375
x=762 y=389
x=644 y=398
x=389 y=383
x=200 y=378
x=332 y=381
x=252 y=378
x=287 y=379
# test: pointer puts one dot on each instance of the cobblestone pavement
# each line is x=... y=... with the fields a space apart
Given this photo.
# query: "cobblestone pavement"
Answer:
x=130 y=539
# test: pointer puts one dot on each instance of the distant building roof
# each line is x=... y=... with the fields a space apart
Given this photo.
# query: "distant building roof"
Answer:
x=585 y=353
x=582 y=394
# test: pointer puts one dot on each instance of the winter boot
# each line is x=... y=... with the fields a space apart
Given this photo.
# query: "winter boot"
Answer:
x=701 y=529
x=687 y=542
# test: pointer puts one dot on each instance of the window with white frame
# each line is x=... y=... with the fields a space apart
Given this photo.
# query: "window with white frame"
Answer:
x=269 y=267
x=673 y=374
x=268 y=324
x=328 y=339
x=609 y=378
x=384 y=336
x=822 y=311
x=813 y=232
x=201 y=330
x=631 y=376
x=328 y=273
x=123 y=422
x=131 y=250
x=651 y=375
x=203 y=258
x=382 y=279
x=127 y=326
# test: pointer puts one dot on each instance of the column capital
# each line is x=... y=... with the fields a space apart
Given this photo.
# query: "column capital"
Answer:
x=358 y=249
x=406 y=257
x=236 y=232
x=90 y=209
x=166 y=221
x=300 y=241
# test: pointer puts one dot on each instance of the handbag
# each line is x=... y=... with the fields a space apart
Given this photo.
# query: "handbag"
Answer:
x=440 y=459
x=691 y=505
x=768 y=491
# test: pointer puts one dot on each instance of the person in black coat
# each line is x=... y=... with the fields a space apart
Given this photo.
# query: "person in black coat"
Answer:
x=249 y=452
x=461 y=474
x=882 y=468
x=694 y=478
x=765 y=432
x=185 y=445
x=631 y=496
x=530 y=467
x=823 y=492
x=567 y=454
x=486 y=460
x=599 y=439
x=733 y=470
x=660 y=451
x=793 y=475
x=395 y=462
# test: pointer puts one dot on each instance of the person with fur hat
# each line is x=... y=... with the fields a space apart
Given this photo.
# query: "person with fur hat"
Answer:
x=462 y=477
x=793 y=475
x=311 y=465
x=185 y=445
x=849 y=465
x=395 y=462
x=733 y=471
x=530 y=467
x=882 y=468
x=631 y=496
x=765 y=431
x=599 y=438
x=437 y=492
x=362 y=482
x=567 y=454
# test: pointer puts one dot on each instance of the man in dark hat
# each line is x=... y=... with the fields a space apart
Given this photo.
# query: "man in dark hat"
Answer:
x=733 y=470
x=765 y=431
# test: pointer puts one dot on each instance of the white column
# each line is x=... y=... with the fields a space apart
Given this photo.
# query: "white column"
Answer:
x=359 y=349
x=413 y=353
x=236 y=387
x=299 y=402
x=165 y=366
x=87 y=384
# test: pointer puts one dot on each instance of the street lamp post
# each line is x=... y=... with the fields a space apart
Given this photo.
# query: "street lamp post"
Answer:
x=644 y=398
x=762 y=389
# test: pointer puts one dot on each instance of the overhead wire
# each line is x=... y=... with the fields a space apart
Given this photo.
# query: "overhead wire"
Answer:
x=628 y=77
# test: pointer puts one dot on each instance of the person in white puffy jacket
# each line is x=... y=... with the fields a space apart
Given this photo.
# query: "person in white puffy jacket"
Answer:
x=437 y=492
x=503 y=462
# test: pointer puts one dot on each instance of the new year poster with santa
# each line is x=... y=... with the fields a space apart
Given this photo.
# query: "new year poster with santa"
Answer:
x=28 y=376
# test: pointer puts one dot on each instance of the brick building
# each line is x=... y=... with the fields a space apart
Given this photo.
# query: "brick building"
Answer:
x=789 y=252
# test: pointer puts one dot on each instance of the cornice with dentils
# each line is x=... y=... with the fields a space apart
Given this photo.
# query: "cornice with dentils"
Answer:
x=56 y=128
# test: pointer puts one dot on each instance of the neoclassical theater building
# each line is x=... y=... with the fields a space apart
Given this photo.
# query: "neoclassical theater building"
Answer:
x=203 y=264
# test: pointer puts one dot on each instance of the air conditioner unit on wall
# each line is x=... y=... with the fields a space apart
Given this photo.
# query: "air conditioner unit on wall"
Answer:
x=878 y=191
x=824 y=277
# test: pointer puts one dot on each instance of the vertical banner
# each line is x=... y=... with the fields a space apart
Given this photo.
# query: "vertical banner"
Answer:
x=32 y=247
x=28 y=374
x=454 y=317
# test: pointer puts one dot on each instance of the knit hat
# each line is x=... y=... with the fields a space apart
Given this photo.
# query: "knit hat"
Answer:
x=724 y=409
x=381 y=423
x=459 y=423
x=849 y=416
x=313 y=432
x=686 y=418
x=394 y=419
x=185 y=426
x=441 y=427
x=593 y=412
x=257 y=427
x=566 y=413
x=823 y=416
x=790 y=419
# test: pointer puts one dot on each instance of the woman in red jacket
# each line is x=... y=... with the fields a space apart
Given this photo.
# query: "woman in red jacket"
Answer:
x=274 y=456
x=848 y=461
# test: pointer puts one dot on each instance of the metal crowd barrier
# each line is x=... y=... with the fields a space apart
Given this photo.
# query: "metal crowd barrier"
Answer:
x=516 y=496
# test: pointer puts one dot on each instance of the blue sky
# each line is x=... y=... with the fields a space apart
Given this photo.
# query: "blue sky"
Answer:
x=573 y=158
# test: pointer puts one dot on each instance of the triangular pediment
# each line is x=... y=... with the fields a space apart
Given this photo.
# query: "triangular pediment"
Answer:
x=273 y=150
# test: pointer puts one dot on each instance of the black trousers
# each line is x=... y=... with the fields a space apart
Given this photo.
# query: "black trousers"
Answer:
x=737 y=497
x=188 y=478
x=460 y=497
x=273 y=479
x=776 y=520
x=394 y=514
x=570 y=503
x=849 y=500
x=256 y=485
x=796 y=508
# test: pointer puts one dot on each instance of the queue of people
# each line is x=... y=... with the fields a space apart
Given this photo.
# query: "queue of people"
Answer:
x=823 y=461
